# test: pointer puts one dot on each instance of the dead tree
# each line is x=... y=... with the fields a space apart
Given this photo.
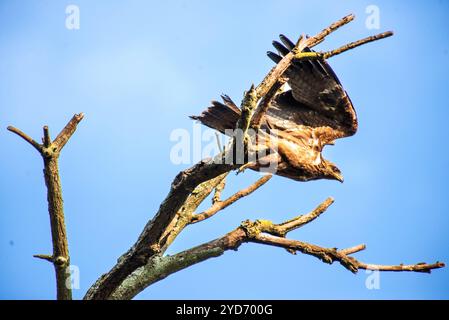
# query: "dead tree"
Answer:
x=145 y=262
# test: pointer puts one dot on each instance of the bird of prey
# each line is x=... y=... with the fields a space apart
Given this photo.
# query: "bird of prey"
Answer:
x=310 y=112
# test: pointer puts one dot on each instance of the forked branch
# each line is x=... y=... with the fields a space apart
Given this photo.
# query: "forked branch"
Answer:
x=152 y=240
x=262 y=232
x=50 y=153
x=220 y=205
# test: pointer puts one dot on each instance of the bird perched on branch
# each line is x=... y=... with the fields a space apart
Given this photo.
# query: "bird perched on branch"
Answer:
x=311 y=110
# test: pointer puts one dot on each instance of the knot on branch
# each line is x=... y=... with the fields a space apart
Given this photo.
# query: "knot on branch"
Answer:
x=61 y=261
x=324 y=256
x=50 y=152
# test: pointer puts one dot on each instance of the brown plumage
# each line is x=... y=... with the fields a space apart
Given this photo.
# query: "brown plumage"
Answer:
x=299 y=122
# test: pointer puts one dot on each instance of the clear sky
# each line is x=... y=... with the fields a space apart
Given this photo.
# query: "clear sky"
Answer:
x=137 y=69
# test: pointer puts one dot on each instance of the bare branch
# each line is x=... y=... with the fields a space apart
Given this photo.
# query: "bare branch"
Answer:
x=50 y=153
x=184 y=215
x=330 y=255
x=326 y=255
x=301 y=220
x=318 y=38
x=159 y=268
x=68 y=131
x=356 y=44
x=419 y=267
x=218 y=190
x=147 y=244
x=25 y=137
x=46 y=140
x=46 y=257
x=354 y=249
x=220 y=205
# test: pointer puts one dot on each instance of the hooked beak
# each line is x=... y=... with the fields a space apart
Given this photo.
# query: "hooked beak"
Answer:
x=338 y=176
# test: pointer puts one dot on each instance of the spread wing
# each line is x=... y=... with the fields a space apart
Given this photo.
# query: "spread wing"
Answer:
x=317 y=105
x=316 y=99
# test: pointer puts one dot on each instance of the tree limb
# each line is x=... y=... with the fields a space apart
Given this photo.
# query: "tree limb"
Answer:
x=50 y=154
x=159 y=268
x=184 y=216
x=330 y=255
x=147 y=245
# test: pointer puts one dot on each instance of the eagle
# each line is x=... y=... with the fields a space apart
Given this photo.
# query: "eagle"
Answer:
x=310 y=111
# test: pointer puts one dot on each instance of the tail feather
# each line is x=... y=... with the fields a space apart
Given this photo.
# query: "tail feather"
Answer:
x=220 y=116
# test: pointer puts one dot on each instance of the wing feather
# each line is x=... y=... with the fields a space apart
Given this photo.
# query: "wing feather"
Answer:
x=314 y=85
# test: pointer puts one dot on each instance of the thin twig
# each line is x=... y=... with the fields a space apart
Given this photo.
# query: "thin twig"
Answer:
x=220 y=205
x=327 y=255
x=354 y=249
x=301 y=220
x=46 y=140
x=356 y=44
x=25 y=137
x=318 y=38
x=46 y=257
x=419 y=267
x=330 y=255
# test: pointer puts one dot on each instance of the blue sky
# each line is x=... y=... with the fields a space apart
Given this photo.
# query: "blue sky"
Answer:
x=137 y=69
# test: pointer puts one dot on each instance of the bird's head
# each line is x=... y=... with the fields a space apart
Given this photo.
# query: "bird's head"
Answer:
x=331 y=171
